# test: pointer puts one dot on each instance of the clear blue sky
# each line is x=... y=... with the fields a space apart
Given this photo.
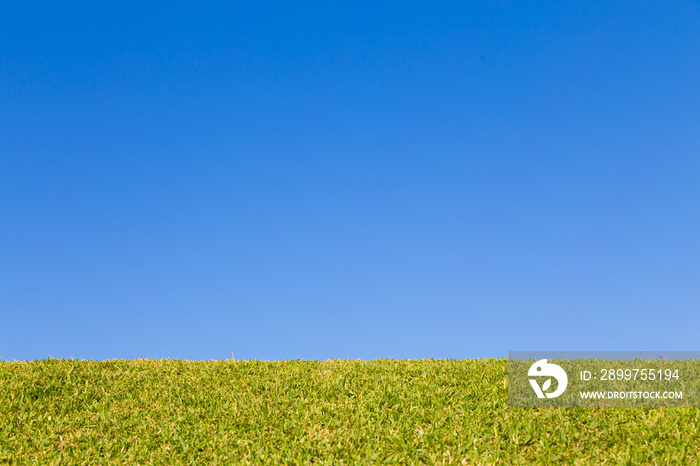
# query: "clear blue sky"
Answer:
x=348 y=180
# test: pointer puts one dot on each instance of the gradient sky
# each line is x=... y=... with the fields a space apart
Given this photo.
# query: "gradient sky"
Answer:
x=348 y=180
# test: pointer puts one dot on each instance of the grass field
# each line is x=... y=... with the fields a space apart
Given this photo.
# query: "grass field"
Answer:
x=324 y=412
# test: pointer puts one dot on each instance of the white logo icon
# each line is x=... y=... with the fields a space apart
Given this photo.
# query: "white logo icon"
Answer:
x=542 y=369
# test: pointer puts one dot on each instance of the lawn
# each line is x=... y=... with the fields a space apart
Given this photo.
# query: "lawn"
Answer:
x=325 y=412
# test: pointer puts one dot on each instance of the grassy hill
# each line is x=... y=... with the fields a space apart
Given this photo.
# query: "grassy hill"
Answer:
x=327 y=412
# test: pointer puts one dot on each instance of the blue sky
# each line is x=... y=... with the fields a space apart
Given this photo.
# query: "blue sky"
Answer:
x=348 y=180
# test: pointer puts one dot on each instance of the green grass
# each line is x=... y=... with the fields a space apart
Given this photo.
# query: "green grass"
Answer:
x=327 y=412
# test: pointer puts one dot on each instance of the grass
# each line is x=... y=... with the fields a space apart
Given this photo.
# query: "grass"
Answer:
x=325 y=412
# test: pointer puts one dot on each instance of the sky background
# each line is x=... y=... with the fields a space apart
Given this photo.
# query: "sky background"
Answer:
x=348 y=179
